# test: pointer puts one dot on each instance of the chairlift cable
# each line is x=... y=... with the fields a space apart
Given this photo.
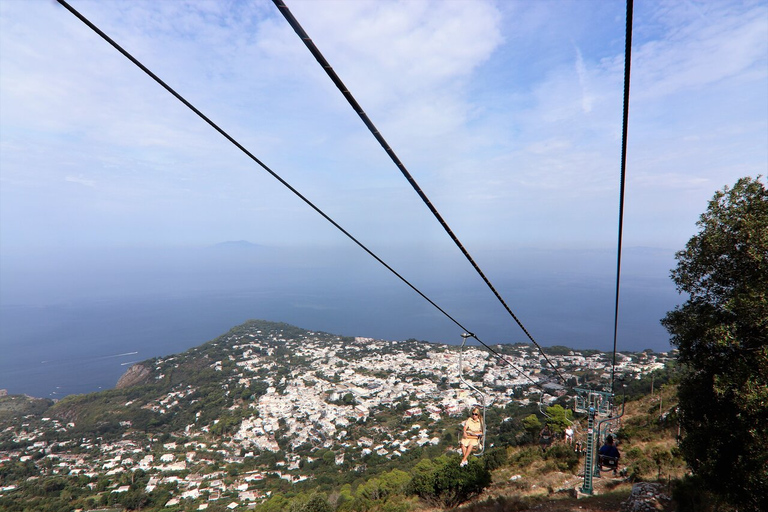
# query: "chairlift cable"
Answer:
x=293 y=22
x=588 y=469
x=251 y=156
x=625 y=122
x=275 y=175
x=503 y=359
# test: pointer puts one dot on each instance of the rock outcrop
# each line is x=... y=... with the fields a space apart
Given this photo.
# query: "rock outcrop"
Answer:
x=136 y=374
x=646 y=497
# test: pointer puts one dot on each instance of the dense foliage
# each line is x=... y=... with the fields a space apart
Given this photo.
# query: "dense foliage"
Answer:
x=442 y=482
x=722 y=334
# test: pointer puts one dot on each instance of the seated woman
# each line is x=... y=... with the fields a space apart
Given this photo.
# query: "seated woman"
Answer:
x=473 y=432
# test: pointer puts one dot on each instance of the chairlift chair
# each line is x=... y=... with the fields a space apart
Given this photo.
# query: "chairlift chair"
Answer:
x=607 y=463
x=606 y=427
x=544 y=440
x=478 y=394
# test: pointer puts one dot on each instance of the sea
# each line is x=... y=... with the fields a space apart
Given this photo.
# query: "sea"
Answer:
x=74 y=323
x=84 y=346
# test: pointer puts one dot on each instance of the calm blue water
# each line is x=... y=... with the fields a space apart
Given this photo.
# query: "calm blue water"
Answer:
x=57 y=350
x=54 y=351
x=85 y=346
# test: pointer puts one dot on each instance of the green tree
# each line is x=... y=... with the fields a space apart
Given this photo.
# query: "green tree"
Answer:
x=722 y=334
x=379 y=489
x=276 y=503
x=317 y=503
x=511 y=432
x=313 y=503
x=443 y=482
x=532 y=425
x=558 y=418
x=134 y=500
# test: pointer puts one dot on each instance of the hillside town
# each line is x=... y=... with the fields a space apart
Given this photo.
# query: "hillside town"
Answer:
x=306 y=398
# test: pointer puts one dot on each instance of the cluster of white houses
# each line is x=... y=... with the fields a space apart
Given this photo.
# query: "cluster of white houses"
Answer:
x=315 y=404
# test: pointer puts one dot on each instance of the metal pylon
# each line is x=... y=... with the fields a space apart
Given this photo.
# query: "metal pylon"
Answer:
x=594 y=404
x=589 y=459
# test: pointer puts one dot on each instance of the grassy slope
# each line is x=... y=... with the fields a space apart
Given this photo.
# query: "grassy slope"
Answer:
x=647 y=444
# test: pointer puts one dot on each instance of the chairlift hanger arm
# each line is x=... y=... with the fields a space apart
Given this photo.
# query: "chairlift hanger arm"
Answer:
x=478 y=393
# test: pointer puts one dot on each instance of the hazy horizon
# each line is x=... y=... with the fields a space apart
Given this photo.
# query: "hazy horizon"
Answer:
x=105 y=315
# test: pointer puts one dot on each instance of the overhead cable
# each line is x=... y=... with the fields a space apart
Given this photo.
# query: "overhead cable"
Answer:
x=625 y=123
x=366 y=120
x=275 y=175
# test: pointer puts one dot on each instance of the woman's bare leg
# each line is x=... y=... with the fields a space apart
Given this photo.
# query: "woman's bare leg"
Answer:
x=465 y=451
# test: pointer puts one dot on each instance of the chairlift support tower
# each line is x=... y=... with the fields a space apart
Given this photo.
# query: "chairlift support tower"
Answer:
x=596 y=404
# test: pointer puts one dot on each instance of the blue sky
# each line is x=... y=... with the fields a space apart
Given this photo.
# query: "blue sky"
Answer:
x=508 y=114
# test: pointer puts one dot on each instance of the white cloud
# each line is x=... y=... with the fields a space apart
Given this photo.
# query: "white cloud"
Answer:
x=80 y=181
x=586 y=99
x=387 y=50
x=699 y=51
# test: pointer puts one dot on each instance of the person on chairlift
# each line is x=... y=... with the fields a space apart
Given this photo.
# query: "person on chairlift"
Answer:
x=473 y=432
x=609 y=450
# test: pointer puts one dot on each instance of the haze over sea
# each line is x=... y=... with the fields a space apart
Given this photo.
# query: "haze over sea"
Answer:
x=78 y=332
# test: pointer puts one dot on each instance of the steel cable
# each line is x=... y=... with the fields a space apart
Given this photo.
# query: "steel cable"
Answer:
x=221 y=131
x=625 y=123
x=291 y=19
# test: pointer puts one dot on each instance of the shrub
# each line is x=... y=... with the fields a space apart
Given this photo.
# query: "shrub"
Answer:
x=640 y=467
x=314 y=503
x=563 y=456
x=495 y=458
x=443 y=482
x=627 y=432
x=525 y=457
x=317 y=503
x=396 y=504
x=381 y=490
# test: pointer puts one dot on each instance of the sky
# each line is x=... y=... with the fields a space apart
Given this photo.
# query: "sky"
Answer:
x=507 y=113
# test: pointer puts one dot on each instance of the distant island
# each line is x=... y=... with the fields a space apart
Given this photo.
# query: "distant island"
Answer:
x=236 y=244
